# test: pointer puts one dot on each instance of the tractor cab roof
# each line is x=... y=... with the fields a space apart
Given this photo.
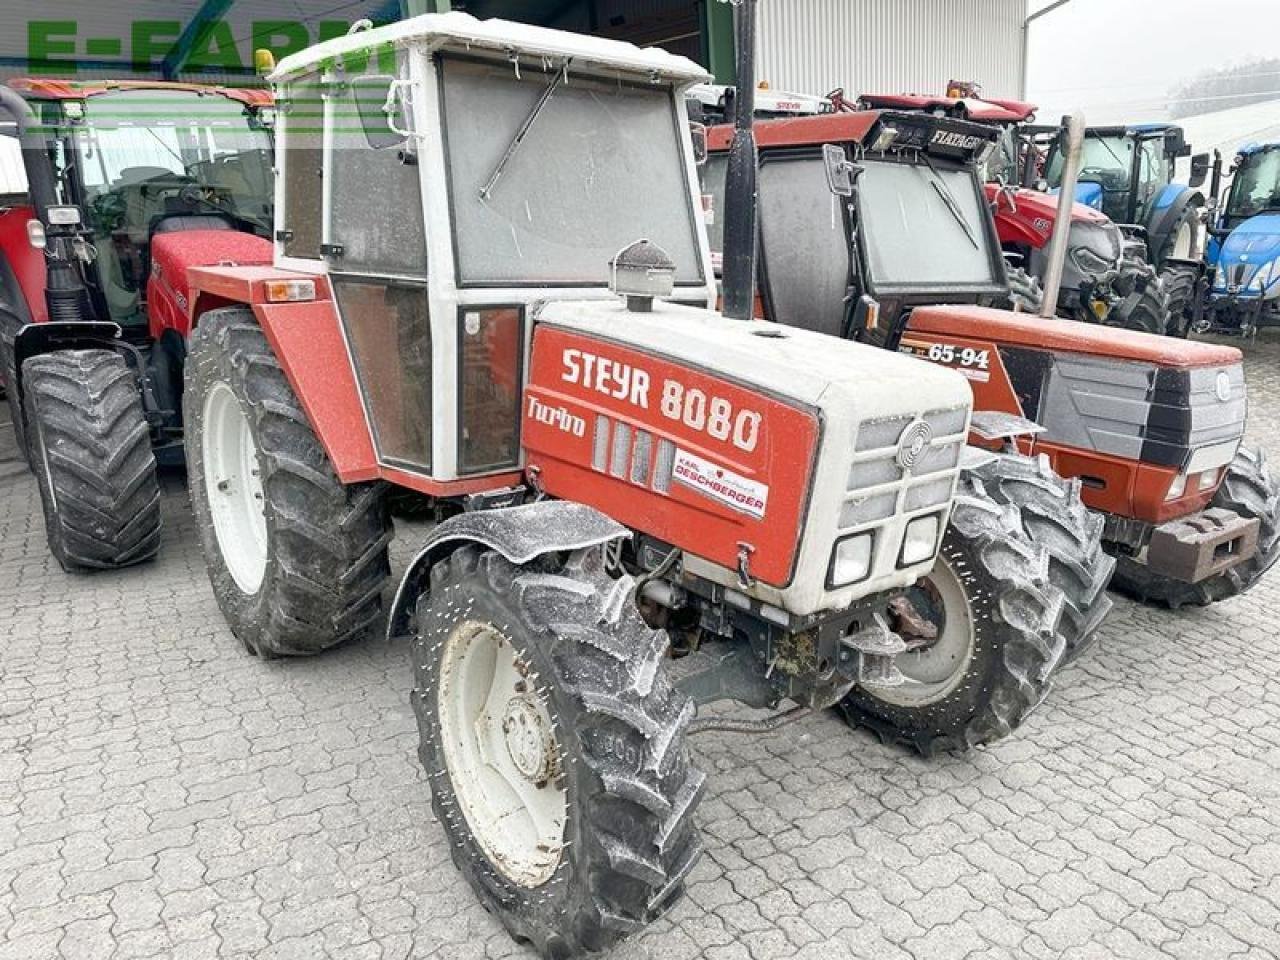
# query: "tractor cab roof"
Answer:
x=462 y=31
x=1134 y=130
x=876 y=130
x=40 y=88
x=979 y=110
x=1250 y=149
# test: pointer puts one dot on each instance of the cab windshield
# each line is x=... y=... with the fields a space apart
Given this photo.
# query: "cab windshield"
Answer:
x=144 y=155
x=1256 y=188
x=924 y=225
x=551 y=174
x=1107 y=161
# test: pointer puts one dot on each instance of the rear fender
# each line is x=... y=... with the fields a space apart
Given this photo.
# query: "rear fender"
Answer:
x=519 y=534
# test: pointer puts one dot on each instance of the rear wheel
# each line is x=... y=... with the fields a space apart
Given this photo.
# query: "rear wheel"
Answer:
x=298 y=560
x=9 y=326
x=554 y=744
x=984 y=628
x=1146 y=307
x=90 y=449
x=1248 y=489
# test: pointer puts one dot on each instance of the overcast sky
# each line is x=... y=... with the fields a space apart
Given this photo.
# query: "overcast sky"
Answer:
x=1116 y=59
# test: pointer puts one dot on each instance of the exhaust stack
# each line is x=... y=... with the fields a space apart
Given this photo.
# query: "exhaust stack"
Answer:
x=1073 y=147
x=738 y=274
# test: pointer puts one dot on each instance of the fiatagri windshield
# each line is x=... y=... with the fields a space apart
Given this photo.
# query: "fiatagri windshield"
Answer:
x=1256 y=188
x=551 y=173
x=924 y=226
x=138 y=149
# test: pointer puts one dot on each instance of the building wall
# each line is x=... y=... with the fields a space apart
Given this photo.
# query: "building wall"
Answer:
x=891 y=46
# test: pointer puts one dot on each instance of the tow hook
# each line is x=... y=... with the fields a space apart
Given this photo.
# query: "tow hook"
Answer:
x=878 y=647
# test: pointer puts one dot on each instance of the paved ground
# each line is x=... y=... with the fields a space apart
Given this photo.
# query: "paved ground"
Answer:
x=164 y=795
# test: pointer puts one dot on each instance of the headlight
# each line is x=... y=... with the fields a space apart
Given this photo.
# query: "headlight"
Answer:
x=1177 y=488
x=1208 y=479
x=920 y=542
x=1090 y=262
x=851 y=560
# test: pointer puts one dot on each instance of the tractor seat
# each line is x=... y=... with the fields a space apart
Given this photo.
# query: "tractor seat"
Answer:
x=178 y=224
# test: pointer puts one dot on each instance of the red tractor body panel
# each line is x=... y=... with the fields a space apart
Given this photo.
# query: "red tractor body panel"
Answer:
x=27 y=262
x=800 y=131
x=38 y=88
x=174 y=254
x=602 y=426
x=967 y=108
x=1029 y=219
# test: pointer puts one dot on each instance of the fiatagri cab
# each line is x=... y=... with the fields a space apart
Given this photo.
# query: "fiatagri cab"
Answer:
x=1106 y=276
x=491 y=286
x=1149 y=428
x=129 y=183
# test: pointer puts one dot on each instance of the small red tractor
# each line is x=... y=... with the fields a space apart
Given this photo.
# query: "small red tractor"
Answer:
x=129 y=184
x=1106 y=277
x=1149 y=427
x=490 y=285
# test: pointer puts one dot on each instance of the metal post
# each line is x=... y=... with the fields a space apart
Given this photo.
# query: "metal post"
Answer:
x=1072 y=149
x=739 y=271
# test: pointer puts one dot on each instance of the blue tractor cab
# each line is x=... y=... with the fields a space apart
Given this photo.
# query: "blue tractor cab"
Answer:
x=1244 y=245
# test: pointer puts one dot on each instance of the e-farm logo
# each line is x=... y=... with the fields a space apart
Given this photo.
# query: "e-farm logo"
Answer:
x=58 y=47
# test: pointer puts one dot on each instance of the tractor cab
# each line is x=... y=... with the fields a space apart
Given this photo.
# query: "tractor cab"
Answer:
x=1128 y=173
x=134 y=163
x=913 y=230
x=1244 y=252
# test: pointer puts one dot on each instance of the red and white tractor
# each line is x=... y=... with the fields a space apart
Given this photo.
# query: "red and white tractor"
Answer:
x=490 y=285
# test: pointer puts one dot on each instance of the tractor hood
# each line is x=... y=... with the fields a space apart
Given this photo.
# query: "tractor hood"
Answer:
x=1035 y=215
x=1254 y=242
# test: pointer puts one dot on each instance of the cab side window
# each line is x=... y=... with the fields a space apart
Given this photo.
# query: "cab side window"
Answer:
x=302 y=119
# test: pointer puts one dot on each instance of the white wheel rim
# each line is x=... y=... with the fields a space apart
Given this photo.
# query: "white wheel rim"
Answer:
x=1182 y=245
x=933 y=672
x=233 y=488
x=501 y=754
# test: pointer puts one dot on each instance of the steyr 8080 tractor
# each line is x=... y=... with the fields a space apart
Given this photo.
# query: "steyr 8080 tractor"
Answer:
x=1106 y=277
x=1148 y=427
x=129 y=184
x=491 y=286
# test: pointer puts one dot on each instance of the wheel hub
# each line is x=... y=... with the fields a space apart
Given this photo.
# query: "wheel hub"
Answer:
x=530 y=741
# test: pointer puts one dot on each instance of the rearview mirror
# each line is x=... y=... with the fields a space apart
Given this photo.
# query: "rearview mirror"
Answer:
x=1199 y=169
x=842 y=174
x=698 y=132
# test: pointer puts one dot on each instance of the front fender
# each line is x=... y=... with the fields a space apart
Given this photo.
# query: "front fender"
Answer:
x=1168 y=211
x=33 y=339
x=520 y=534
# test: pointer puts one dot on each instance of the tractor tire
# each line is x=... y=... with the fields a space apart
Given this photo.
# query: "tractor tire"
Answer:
x=1026 y=295
x=1180 y=244
x=90 y=449
x=1146 y=310
x=590 y=750
x=1180 y=282
x=996 y=612
x=1053 y=515
x=298 y=560
x=9 y=327
x=1247 y=488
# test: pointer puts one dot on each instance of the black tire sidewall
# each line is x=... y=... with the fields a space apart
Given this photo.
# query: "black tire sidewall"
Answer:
x=40 y=467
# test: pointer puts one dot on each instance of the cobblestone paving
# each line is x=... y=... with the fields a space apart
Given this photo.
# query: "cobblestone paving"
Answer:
x=162 y=794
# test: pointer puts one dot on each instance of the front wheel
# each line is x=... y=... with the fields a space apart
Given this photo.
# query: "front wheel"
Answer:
x=554 y=744
x=1247 y=489
x=1180 y=282
x=1145 y=307
x=298 y=560
x=982 y=631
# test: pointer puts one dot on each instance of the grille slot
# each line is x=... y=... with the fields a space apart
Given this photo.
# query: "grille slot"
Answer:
x=622 y=451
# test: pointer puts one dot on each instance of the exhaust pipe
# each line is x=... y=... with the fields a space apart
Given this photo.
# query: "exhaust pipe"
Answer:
x=738 y=273
x=1073 y=147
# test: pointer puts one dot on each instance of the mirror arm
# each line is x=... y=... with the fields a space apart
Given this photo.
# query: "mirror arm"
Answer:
x=391 y=108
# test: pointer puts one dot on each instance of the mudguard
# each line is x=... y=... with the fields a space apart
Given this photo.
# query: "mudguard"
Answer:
x=37 y=338
x=520 y=534
x=1167 y=213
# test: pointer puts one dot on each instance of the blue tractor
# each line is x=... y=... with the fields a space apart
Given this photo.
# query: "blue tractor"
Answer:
x=1243 y=289
x=1127 y=172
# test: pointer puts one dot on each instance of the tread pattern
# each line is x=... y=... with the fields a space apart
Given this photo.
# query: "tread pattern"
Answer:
x=93 y=459
x=1180 y=280
x=327 y=561
x=1145 y=310
x=621 y=727
x=1249 y=489
x=1054 y=516
x=1026 y=295
x=1016 y=609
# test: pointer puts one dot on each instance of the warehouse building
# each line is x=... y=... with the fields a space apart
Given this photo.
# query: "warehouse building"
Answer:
x=808 y=46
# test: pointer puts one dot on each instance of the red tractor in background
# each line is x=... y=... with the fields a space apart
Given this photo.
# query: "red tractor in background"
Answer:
x=1106 y=278
x=1149 y=427
x=129 y=184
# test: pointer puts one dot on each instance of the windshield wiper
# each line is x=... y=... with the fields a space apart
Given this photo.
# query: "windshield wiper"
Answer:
x=177 y=156
x=949 y=200
x=529 y=121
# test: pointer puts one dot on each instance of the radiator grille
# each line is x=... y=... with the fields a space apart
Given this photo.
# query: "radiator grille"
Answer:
x=628 y=453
